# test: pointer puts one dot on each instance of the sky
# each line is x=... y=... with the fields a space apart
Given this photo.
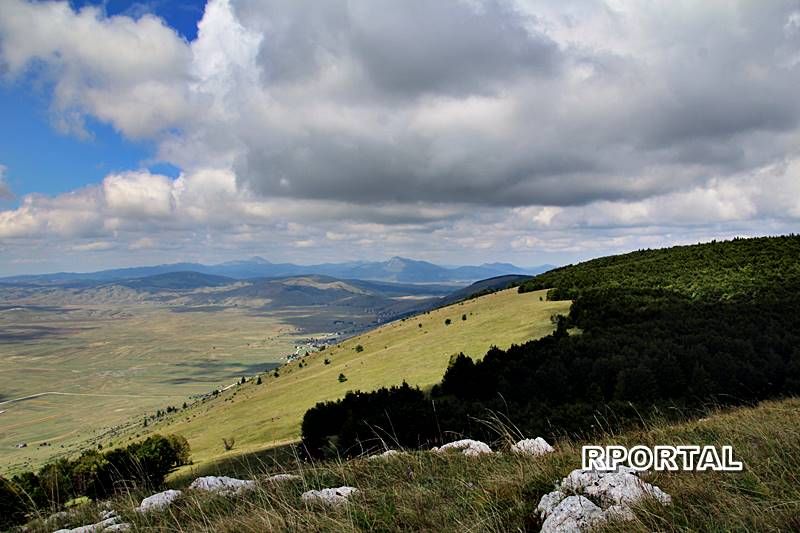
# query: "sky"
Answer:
x=456 y=131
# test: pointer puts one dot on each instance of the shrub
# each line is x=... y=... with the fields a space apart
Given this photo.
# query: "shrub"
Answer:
x=342 y=378
x=359 y=348
x=13 y=505
x=99 y=475
x=447 y=322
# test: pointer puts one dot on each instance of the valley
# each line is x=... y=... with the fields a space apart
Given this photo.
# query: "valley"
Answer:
x=82 y=358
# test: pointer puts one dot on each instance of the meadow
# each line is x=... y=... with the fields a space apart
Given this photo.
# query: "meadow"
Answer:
x=416 y=350
x=84 y=370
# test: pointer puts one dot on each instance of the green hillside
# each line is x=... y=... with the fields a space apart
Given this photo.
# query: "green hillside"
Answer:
x=719 y=269
x=651 y=333
x=415 y=350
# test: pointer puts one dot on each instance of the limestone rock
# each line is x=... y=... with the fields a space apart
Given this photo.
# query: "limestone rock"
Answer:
x=158 y=501
x=279 y=478
x=614 y=488
x=533 y=447
x=333 y=497
x=222 y=485
x=469 y=447
x=574 y=514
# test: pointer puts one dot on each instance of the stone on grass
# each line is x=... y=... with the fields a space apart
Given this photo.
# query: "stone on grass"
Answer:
x=549 y=502
x=111 y=522
x=615 y=492
x=469 y=447
x=574 y=514
x=623 y=487
x=385 y=455
x=222 y=485
x=158 y=501
x=533 y=447
x=279 y=478
x=333 y=497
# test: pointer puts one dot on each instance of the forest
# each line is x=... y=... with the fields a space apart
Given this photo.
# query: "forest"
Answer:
x=664 y=333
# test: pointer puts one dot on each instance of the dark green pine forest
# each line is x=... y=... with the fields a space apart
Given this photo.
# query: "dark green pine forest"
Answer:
x=663 y=333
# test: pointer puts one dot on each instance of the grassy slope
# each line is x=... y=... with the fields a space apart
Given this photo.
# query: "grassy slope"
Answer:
x=257 y=416
x=423 y=491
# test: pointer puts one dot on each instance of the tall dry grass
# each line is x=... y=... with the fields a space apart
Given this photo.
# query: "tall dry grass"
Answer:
x=423 y=491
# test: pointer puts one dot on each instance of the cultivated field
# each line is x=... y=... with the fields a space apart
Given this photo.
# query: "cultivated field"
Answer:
x=416 y=350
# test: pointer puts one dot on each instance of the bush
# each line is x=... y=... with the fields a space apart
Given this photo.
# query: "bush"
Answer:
x=342 y=378
x=447 y=322
x=359 y=348
x=99 y=475
x=13 y=504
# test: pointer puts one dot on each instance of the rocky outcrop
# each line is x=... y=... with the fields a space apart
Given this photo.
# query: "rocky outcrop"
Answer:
x=280 y=478
x=334 y=497
x=469 y=447
x=111 y=521
x=222 y=485
x=533 y=447
x=385 y=455
x=159 y=501
x=596 y=497
x=573 y=514
x=623 y=487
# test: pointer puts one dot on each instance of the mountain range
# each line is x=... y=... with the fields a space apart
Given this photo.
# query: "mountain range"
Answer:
x=396 y=269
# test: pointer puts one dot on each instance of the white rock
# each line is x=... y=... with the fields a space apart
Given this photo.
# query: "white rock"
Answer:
x=278 y=478
x=222 y=485
x=333 y=497
x=575 y=514
x=123 y=526
x=549 y=502
x=385 y=455
x=158 y=501
x=109 y=513
x=621 y=513
x=468 y=447
x=614 y=488
x=534 y=447
x=108 y=524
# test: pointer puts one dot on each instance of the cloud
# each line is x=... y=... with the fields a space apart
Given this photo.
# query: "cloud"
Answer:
x=96 y=246
x=131 y=73
x=458 y=126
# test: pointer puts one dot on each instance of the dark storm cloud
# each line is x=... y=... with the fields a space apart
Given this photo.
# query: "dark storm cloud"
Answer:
x=474 y=102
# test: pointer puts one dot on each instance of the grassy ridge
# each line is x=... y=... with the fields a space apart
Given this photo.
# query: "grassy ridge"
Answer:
x=422 y=491
x=719 y=270
x=416 y=350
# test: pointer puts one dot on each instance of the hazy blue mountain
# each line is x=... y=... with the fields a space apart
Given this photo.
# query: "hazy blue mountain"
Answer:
x=396 y=269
